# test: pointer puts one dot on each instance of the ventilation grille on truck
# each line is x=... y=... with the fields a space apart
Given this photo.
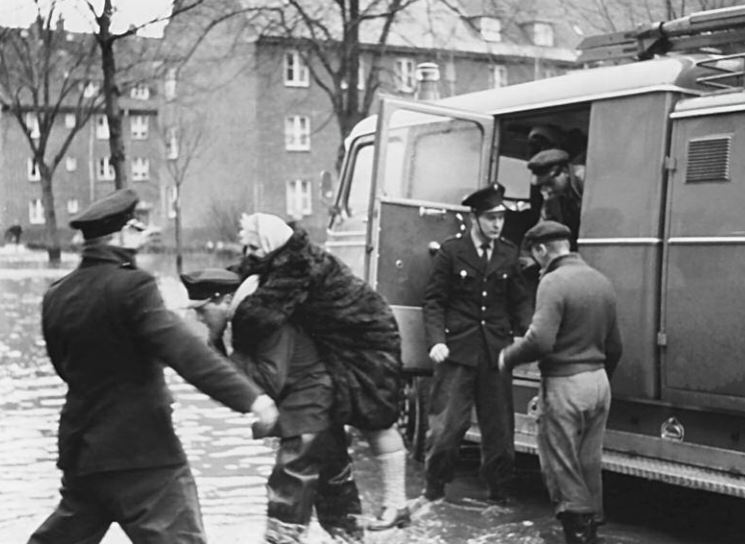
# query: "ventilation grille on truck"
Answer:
x=708 y=159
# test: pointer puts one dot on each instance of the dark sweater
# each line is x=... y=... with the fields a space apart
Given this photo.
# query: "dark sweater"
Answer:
x=574 y=327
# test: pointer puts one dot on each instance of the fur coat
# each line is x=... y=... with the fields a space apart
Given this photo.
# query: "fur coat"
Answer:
x=352 y=325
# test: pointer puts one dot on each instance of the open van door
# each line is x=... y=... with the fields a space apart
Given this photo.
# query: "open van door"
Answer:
x=427 y=159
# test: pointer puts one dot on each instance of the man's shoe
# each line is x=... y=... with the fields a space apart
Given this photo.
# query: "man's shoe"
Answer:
x=434 y=490
x=389 y=518
x=498 y=498
x=578 y=528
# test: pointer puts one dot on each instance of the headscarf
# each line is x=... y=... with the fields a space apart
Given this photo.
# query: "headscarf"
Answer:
x=272 y=231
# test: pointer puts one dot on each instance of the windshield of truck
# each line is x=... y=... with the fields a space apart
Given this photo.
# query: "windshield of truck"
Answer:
x=437 y=161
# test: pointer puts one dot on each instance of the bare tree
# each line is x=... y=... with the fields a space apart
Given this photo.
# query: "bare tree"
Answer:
x=184 y=140
x=106 y=40
x=329 y=37
x=43 y=76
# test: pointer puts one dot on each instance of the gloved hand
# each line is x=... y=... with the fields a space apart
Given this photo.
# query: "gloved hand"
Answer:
x=266 y=416
x=439 y=352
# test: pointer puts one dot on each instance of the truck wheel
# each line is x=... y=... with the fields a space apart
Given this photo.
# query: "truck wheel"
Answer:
x=413 y=418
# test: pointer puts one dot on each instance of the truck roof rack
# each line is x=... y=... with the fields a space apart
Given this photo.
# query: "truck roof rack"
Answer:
x=699 y=31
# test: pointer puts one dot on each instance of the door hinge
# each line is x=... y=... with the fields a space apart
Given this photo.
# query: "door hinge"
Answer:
x=670 y=164
x=661 y=339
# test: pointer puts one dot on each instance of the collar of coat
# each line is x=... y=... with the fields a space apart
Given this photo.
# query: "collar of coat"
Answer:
x=100 y=253
x=562 y=260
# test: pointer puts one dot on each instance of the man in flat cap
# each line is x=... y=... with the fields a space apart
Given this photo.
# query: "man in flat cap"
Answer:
x=312 y=465
x=108 y=336
x=574 y=336
x=560 y=188
x=475 y=302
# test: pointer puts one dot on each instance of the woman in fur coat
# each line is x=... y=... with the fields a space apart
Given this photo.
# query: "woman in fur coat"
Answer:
x=353 y=327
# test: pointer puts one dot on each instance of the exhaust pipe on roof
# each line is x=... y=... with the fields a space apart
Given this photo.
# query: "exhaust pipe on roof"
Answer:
x=428 y=81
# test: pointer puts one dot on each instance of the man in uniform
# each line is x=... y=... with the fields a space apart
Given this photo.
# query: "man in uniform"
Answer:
x=108 y=336
x=575 y=338
x=560 y=187
x=475 y=302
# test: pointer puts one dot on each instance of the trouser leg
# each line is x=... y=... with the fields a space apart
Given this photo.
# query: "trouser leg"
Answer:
x=591 y=448
x=158 y=506
x=79 y=518
x=338 y=505
x=565 y=405
x=494 y=409
x=449 y=419
x=292 y=488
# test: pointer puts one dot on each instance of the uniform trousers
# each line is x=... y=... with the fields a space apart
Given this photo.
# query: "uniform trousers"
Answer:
x=152 y=506
x=456 y=389
x=313 y=469
x=573 y=411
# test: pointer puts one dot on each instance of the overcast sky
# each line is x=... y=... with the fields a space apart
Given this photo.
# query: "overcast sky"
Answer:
x=77 y=14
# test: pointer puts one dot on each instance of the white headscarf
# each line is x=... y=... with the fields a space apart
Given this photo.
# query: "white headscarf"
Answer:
x=271 y=231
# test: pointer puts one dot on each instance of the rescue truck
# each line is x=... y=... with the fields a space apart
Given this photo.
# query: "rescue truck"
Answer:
x=663 y=216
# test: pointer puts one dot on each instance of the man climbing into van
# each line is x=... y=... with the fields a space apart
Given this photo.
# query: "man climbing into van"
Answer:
x=560 y=188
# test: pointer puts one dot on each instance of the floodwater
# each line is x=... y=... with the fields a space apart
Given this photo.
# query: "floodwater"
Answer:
x=231 y=468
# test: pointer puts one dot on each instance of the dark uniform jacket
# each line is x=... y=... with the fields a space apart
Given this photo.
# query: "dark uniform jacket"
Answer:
x=286 y=365
x=108 y=335
x=465 y=306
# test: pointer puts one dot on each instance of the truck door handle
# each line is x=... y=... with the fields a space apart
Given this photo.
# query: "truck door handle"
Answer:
x=431 y=212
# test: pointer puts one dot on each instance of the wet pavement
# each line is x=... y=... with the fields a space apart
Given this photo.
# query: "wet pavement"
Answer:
x=231 y=468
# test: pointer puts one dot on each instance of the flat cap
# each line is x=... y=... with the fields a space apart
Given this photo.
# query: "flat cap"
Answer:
x=543 y=161
x=202 y=285
x=545 y=231
x=106 y=215
x=549 y=133
x=486 y=199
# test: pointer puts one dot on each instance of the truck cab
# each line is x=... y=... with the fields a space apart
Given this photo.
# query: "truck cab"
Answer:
x=661 y=216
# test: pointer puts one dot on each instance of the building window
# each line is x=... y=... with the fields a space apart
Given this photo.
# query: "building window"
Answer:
x=140 y=169
x=32 y=170
x=69 y=120
x=171 y=201
x=140 y=92
x=169 y=89
x=297 y=133
x=296 y=71
x=105 y=171
x=172 y=144
x=299 y=198
x=32 y=124
x=491 y=29
x=36 y=212
x=102 y=127
x=543 y=34
x=91 y=89
x=499 y=76
x=405 y=75
x=73 y=206
x=138 y=127
x=71 y=164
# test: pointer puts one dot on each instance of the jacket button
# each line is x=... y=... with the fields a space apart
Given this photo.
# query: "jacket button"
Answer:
x=483 y=322
x=483 y=308
x=483 y=294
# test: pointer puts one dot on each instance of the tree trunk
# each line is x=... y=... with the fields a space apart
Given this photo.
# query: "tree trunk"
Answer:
x=177 y=231
x=111 y=97
x=50 y=217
